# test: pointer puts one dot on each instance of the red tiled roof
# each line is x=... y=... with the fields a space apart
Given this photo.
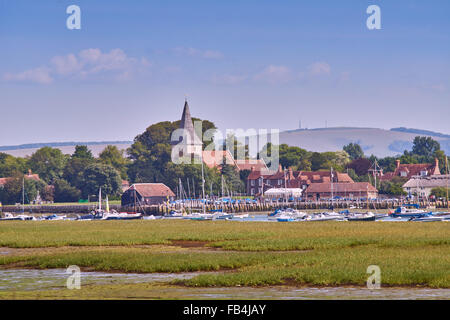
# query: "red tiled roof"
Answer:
x=413 y=170
x=35 y=177
x=214 y=158
x=257 y=165
x=148 y=190
x=258 y=174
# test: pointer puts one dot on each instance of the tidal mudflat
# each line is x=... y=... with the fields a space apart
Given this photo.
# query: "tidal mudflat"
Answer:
x=165 y=259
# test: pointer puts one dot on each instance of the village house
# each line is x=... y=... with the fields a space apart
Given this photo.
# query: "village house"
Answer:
x=407 y=171
x=327 y=190
x=215 y=158
x=147 y=194
x=30 y=176
x=259 y=181
x=422 y=185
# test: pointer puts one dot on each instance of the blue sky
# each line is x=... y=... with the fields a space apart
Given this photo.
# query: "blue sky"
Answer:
x=242 y=64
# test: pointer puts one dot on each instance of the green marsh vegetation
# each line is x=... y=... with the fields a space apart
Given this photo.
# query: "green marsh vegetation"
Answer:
x=244 y=253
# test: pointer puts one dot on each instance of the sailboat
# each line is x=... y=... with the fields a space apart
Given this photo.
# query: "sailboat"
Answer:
x=114 y=215
x=203 y=215
x=97 y=213
x=21 y=217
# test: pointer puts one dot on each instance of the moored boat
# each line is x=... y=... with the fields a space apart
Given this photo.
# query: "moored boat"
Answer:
x=410 y=211
x=369 y=216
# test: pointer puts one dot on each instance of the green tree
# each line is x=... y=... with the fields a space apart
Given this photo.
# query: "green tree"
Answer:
x=237 y=149
x=48 y=163
x=11 y=166
x=440 y=192
x=64 y=192
x=295 y=157
x=112 y=156
x=327 y=160
x=75 y=166
x=11 y=193
x=82 y=152
x=152 y=151
x=232 y=177
x=393 y=187
x=425 y=146
x=103 y=176
x=360 y=166
x=354 y=150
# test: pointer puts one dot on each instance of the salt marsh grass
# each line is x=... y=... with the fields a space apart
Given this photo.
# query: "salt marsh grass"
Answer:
x=249 y=253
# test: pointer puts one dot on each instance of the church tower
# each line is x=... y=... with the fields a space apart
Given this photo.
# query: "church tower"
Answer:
x=191 y=143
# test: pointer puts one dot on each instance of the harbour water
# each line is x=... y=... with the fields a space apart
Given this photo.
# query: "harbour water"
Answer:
x=55 y=279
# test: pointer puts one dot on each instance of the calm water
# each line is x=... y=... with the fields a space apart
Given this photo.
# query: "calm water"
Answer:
x=24 y=280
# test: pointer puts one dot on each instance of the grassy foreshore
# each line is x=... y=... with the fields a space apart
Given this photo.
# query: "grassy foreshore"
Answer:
x=245 y=254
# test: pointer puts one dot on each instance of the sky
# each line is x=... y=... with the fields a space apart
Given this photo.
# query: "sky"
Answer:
x=240 y=63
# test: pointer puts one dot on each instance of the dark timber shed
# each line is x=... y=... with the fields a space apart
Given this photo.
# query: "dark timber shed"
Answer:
x=147 y=194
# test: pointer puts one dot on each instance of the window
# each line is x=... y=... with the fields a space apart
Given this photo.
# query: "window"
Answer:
x=423 y=173
x=252 y=182
x=403 y=174
x=260 y=182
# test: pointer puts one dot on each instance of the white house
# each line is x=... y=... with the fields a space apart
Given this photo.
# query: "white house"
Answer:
x=422 y=185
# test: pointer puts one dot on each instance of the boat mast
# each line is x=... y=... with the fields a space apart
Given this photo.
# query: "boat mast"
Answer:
x=285 y=188
x=446 y=171
x=100 y=199
x=332 y=193
x=134 y=189
x=203 y=186
x=23 y=194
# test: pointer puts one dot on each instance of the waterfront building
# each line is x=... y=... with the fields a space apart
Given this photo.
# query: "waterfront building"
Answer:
x=327 y=190
x=147 y=194
x=422 y=185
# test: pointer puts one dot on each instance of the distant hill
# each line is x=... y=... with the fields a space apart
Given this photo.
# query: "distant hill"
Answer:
x=96 y=147
x=379 y=142
x=422 y=132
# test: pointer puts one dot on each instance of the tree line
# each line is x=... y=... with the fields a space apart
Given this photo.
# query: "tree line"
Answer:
x=70 y=178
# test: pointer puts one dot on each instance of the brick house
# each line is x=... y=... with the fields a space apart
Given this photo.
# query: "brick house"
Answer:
x=259 y=181
x=410 y=170
x=30 y=176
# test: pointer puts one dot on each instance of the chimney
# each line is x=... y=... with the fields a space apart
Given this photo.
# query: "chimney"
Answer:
x=436 y=162
x=30 y=172
x=253 y=169
x=397 y=163
x=280 y=168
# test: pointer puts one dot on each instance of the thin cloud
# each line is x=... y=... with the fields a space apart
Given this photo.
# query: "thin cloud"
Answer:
x=274 y=74
x=192 y=52
x=38 y=75
x=114 y=64
x=319 y=68
x=229 y=79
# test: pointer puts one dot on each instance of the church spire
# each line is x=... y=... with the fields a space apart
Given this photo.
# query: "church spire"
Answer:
x=187 y=124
